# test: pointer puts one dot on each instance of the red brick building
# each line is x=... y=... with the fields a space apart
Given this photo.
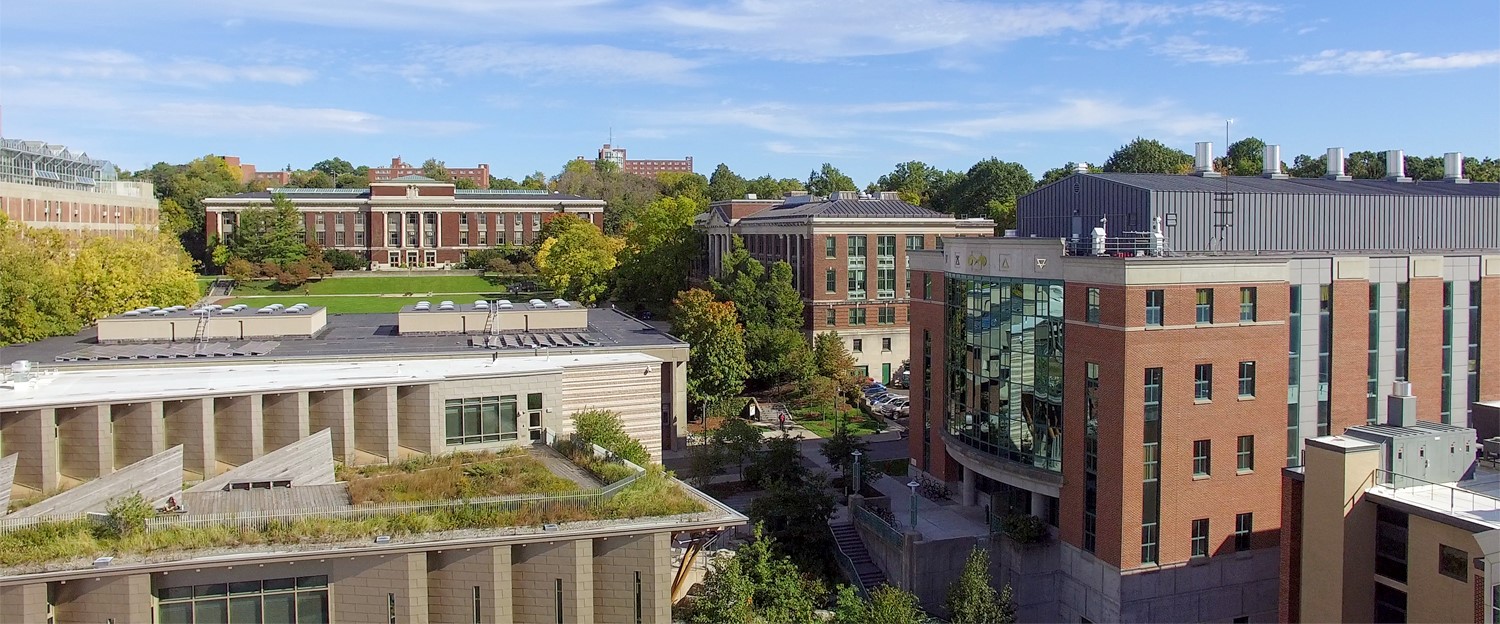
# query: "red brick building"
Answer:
x=617 y=156
x=1139 y=387
x=479 y=175
x=412 y=221
x=248 y=173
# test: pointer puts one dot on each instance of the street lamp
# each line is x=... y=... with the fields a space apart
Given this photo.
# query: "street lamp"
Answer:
x=913 y=485
x=856 y=455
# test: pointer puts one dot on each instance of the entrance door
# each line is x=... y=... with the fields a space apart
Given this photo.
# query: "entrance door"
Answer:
x=885 y=373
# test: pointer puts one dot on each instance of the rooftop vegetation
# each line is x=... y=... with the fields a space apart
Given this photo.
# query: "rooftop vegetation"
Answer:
x=450 y=477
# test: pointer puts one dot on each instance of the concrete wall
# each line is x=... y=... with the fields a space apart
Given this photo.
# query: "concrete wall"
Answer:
x=471 y=321
x=631 y=390
x=453 y=576
x=1430 y=595
x=537 y=570
x=119 y=599
x=1338 y=554
x=183 y=327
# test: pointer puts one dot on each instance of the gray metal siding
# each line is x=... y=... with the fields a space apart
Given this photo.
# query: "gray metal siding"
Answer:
x=1048 y=212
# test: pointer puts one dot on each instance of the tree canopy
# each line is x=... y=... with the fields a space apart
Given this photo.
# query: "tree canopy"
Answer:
x=827 y=179
x=578 y=261
x=659 y=249
x=972 y=598
x=1148 y=156
x=271 y=234
x=716 y=359
x=725 y=184
x=757 y=585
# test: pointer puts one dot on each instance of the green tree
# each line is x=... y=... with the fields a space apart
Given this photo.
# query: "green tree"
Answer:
x=795 y=512
x=437 y=170
x=35 y=301
x=535 y=182
x=758 y=585
x=352 y=180
x=187 y=186
x=990 y=189
x=273 y=234
x=684 y=184
x=887 y=605
x=725 y=184
x=767 y=187
x=624 y=194
x=1304 y=166
x=782 y=301
x=839 y=449
x=739 y=280
x=1245 y=158
x=1487 y=170
x=716 y=360
x=1148 y=156
x=781 y=461
x=110 y=276
x=604 y=428
x=1424 y=168
x=942 y=194
x=827 y=179
x=311 y=179
x=1053 y=175
x=334 y=167
x=832 y=359
x=504 y=184
x=659 y=248
x=972 y=598
x=579 y=261
x=1365 y=165
x=740 y=440
x=465 y=183
x=777 y=355
x=911 y=180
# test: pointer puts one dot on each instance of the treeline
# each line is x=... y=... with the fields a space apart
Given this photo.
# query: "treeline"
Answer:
x=53 y=282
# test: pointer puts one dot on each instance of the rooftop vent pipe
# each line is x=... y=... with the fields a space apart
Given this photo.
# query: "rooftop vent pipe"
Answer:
x=1395 y=166
x=1271 y=165
x=1453 y=168
x=1401 y=406
x=1203 y=160
x=1336 y=164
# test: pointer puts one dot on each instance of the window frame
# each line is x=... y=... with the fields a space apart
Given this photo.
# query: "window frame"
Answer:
x=1203 y=308
x=1199 y=540
x=1091 y=314
x=1155 y=303
x=1203 y=461
x=1244 y=529
x=1203 y=382
x=1249 y=306
x=1244 y=453
x=856 y=345
x=830 y=247
x=1453 y=562
x=830 y=280
x=1246 y=385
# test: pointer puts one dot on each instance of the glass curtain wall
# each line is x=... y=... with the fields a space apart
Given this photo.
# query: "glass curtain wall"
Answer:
x=1005 y=367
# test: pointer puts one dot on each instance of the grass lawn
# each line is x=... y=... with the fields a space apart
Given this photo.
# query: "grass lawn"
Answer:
x=815 y=422
x=381 y=285
x=461 y=475
x=339 y=305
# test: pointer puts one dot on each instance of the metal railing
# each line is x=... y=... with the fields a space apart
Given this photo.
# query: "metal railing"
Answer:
x=887 y=533
x=847 y=566
x=1127 y=245
x=1456 y=499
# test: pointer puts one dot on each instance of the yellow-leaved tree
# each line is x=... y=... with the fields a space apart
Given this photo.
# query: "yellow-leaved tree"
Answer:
x=577 y=260
x=112 y=275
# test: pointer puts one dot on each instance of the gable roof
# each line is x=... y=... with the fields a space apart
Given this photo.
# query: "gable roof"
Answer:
x=868 y=208
x=1297 y=186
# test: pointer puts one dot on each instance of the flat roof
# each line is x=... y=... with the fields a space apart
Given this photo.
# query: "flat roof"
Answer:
x=517 y=305
x=1475 y=500
x=368 y=336
x=182 y=312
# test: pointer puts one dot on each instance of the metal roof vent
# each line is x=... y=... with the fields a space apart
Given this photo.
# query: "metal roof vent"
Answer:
x=1453 y=168
x=1336 y=165
x=1395 y=166
x=1271 y=163
x=1203 y=160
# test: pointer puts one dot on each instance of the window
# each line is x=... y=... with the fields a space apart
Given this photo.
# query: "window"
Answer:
x=639 y=602
x=463 y=219
x=1247 y=379
x=887 y=316
x=885 y=345
x=1093 y=311
x=1202 y=457
x=831 y=280
x=856 y=247
x=1203 y=382
x=1243 y=619
x=831 y=319
x=856 y=316
x=1453 y=563
x=1390 y=603
x=1090 y=455
x=1243 y=526
x=927 y=286
x=862 y=372
x=859 y=345
x=830 y=247
x=1200 y=537
x=559 y=595
x=536 y=221
x=338 y=238
x=480 y=420
x=1390 y=543
x=1245 y=453
x=914 y=242
x=1247 y=304
x=1151 y=468
x=1154 y=299
x=390 y=607
x=885 y=283
x=300 y=599
x=1205 y=305
x=856 y=284
x=885 y=245
x=478 y=612
x=463 y=238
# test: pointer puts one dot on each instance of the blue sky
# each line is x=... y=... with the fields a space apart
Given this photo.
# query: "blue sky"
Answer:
x=766 y=86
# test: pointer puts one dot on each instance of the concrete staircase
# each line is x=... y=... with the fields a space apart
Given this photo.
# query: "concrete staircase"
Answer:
x=848 y=542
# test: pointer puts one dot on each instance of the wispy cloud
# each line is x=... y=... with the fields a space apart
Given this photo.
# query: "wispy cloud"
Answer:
x=123 y=66
x=562 y=63
x=1370 y=62
x=1086 y=114
x=1188 y=50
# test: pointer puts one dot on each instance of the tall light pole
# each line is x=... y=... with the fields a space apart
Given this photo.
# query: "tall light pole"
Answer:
x=913 y=485
x=856 y=455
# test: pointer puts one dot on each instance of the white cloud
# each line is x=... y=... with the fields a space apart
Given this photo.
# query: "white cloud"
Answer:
x=1087 y=114
x=1189 y=50
x=1368 y=62
x=123 y=66
x=564 y=63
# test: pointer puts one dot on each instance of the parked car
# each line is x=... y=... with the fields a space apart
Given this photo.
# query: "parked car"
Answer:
x=883 y=399
x=894 y=406
x=901 y=379
x=874 y=389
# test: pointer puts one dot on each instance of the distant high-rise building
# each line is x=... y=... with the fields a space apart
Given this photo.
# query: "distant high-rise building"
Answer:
x=479 y=175
x=616 y=155
x=45 y=185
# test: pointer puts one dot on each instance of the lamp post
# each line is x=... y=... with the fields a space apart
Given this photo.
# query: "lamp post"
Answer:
x=856 y=455
x=913 y=485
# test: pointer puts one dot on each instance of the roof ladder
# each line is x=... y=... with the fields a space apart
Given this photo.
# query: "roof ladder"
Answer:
x=492 y=322
x=201 y=335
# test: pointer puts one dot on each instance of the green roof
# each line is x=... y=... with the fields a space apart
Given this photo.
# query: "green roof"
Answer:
x=414 y=178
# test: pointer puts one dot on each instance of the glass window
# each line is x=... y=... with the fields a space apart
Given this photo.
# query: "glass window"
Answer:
x=1247 y=304
x=480 y=420
x=1243 y=528
x=856 y=284
x=887 y=316
x=914 y=242
x=1093 y=309
x=885 y=283
x=1205 y=308
x=301 y=599
x=830 y=247
x=856 y=316
x=1202 y=457
x=1245 y=453
x=831 y=280
x=859 y=346
x=1203 y=382
x=885 y=345
x=1200 y=537
x=1453 y=563
x=831 y=318
x=1247 y=379
x=1154 y=300
x=885 y=245
x=856 y=246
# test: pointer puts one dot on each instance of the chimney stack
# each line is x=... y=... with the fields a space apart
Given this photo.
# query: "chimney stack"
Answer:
x=1401 y=406
x=1203 y=160
x=1271 y=167
x=1395 y=166
x=1336 y=164
x=1453 y=168
x=1082 y=167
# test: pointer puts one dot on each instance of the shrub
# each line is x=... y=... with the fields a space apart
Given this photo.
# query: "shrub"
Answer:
x=1024 y=528
x=127 y=515
x=603 y=427
x=345 y=260
x=241 y=270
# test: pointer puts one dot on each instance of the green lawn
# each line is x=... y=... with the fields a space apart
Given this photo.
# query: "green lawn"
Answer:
x=858 y=424
x=339 y=305
x=381 y=285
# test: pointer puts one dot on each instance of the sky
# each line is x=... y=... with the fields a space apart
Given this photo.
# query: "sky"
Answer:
x=766 y=86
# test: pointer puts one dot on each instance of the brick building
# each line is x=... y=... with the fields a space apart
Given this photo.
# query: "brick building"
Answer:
x=1139 y=386
x=249 y=174
x=46 y=185
x=849 y=260
x=479 y=175
x=412 y=221
x=616 y=155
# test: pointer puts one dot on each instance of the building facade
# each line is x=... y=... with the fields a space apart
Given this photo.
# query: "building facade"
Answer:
x=412 y=221
x=479 y=175
x=849 y=259
x=1139 y=388
x=44 y=185
x=616 y=155
x=249 y=174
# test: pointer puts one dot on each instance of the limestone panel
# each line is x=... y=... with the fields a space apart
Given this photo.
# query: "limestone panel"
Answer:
x=544 y=575
x=377 y=588
x=83 y=439
x=286 y=418
x=239 y=429
x=139 y=431
x=334 y=410
x=419 y=411
x=112 y=598
x=633 y=578
x=24 y=603
x=375 y=421
x=32 y=435
x=631 y=390
x=470 y=585
x=190 y=423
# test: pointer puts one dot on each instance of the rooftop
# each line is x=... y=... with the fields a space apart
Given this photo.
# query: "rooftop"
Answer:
x=1475 y=500
x=348 y=336
x=865 y=208
x=364 y=194
x=1298 y=186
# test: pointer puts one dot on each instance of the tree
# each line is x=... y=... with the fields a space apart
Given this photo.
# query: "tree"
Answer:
x=780 y=462
x=1304 y=166
x=1245 y=157
x=826 y=180
x=990 y=189
x=795 y=512
x=777 y=355
x=605 y=429
x=1487 y=170
x=911 y=180
x=352 y=180
x=716 y=359
x=273 y=234
x=739 y=281
x=767 y=187
x=887 y=605
x=437 y=170
x=740 y=440
x=345 y=260
x=34 y=284
x=1423 y=168
x=1053 y=175
x=186 y=186
x=537 y=181
x=659 y=249
x=1365 y=165
x=684 y=184
x=972 y=598
x=311 y=179
x=832 y=359
x=757 y=585
x=578 y=261
x=465 y=183
x=504 y=184
x=839 y=449
x=725 y=184
x=1148 y=156
x=782 y=301
x=942 y=191
x=334 y=167
x=110 y=276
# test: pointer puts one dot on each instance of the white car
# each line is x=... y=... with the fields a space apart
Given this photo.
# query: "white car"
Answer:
x=884 y=399
x=900 y=405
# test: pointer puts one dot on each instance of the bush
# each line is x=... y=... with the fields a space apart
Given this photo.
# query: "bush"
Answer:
x=241 y=270
x=1024 y=528
x=127 y=515
x=345 y=260
x=603 y=427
